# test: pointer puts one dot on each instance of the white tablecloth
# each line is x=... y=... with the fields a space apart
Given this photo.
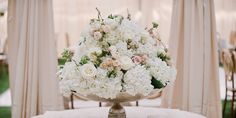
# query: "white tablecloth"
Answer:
x=131 y=112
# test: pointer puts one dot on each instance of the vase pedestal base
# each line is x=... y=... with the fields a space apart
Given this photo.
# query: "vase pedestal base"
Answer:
x=116 y=111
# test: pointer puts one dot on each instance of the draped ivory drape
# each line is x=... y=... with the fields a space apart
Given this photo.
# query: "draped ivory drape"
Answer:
x=32 y=58
x=193 y=46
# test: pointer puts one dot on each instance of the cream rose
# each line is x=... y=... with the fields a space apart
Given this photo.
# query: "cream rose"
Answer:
x=126 y=62
x=91 y=52
x=88 y=70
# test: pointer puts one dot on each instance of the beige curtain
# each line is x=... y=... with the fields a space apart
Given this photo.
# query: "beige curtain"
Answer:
x=32 y=58
x=193 y=46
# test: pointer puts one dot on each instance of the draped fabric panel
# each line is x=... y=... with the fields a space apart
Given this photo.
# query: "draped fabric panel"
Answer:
x=32 y=58
x=193 y=46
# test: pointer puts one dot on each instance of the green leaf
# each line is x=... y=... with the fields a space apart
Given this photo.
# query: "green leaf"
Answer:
x=84 y=60
x=156 y=83
x=104 y=53
x=154 y=25
x=163 y=57
x=111 y=74
x=67 y=55
x=97 y=62
x=110 y=16
x=61 y=61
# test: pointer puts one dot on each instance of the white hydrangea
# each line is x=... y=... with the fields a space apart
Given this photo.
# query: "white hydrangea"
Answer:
x=107 y=87
x=160 y=71
x=122 y=49
x=151 y=50
x=112 y=37
x=138 y=80
x=82 y=86
x=64 y=86
x=126 y=62
x=130 y=30
x=113 y=23
x=69 y=71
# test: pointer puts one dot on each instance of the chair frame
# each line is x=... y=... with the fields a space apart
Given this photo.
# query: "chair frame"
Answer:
x=233 y=90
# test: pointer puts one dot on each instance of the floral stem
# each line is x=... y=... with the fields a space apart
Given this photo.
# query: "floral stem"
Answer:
x=129 y=16
x=99 y=13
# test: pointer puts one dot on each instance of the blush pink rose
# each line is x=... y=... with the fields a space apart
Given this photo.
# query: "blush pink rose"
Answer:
x=97 y=35
x=137 y=59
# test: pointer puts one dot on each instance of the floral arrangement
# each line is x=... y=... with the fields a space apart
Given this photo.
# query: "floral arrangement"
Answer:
x=116 y=55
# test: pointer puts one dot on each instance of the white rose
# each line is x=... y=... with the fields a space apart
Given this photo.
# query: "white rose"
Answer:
x=88 y=70
x=97 y=35
x=93 y=50
x=126 y=62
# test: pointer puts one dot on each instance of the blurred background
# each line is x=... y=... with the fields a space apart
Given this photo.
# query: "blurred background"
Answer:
x=72 y=16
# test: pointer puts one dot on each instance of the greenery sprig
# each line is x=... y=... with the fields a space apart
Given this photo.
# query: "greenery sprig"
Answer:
x=84 y=60
x=111 y=74
x=67 y=55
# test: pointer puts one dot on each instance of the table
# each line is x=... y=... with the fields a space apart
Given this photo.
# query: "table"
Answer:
x=131 y=112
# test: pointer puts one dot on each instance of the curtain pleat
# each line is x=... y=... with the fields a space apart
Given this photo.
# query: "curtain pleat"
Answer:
x=32 y=58
x=193 y=46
